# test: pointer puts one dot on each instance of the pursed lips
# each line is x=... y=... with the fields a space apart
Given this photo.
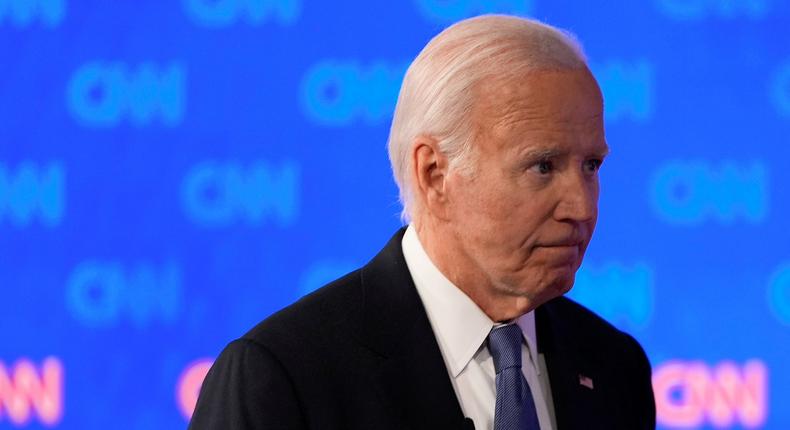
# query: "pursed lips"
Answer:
x=561 y=244
x=563 y=251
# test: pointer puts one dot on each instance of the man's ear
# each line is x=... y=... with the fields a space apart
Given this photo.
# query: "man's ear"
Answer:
x=429 y=175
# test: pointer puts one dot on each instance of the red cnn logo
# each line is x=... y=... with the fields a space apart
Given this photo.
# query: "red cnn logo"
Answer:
x=691 y=394
x=23 y=390
x=188 y=386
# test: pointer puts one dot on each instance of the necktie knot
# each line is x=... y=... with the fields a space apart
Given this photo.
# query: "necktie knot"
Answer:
x=504 y=343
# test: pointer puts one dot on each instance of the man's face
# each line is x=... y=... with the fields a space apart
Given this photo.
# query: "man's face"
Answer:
x=526 y=215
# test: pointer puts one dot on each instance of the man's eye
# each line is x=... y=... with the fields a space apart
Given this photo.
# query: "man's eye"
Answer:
x=593 y=165
x=544 y=167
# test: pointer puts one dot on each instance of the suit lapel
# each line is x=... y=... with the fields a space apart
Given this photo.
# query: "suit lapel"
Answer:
x=576 y=405
x=412 y=371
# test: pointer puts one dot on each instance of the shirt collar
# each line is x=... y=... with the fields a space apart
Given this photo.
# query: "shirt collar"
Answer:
x=460 y=326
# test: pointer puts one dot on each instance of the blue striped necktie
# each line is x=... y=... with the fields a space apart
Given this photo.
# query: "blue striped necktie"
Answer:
x=515 y=407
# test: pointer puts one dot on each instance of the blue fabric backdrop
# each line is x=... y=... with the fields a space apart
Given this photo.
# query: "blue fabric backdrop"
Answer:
x=171 y=172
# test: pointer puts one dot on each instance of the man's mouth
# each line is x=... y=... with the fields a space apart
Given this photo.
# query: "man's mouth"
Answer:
x=561 y=244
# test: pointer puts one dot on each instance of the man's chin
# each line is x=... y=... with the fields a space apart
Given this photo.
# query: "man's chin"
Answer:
x=561 y=286
x=567 y=282
x=550 y=285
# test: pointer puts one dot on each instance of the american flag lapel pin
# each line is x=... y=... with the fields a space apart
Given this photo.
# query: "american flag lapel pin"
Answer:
x=586 y=381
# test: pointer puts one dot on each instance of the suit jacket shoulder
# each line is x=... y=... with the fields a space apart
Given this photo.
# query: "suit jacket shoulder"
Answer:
x=317 y=323
x=358 y=353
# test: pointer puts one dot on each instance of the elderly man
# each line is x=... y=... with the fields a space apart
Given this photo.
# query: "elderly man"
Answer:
x=459 y=323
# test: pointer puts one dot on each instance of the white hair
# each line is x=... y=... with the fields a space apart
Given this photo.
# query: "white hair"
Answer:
x=437 y=94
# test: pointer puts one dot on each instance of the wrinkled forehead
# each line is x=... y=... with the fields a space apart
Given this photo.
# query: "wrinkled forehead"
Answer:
x=552 y=100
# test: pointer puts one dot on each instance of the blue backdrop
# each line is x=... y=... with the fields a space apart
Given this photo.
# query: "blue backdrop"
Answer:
x=171 y=172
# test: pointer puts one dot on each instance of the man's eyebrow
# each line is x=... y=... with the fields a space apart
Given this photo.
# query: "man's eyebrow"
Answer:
x=538 y=154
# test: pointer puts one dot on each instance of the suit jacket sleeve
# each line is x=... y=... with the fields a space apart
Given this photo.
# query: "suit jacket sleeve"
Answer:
x=247 y=388
x=643 y=401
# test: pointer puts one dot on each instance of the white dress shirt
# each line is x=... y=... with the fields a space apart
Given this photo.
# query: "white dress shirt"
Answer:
x=461 y=329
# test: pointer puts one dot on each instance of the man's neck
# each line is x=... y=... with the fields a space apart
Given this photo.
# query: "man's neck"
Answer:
x=448 y=255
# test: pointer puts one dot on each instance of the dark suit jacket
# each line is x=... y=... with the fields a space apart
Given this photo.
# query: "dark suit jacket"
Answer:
x=360 y=353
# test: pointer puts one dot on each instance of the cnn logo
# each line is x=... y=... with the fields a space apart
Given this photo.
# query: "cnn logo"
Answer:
x=28 y=391
x=690 y=394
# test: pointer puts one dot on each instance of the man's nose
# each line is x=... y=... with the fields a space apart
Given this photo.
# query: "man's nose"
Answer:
x=578 y=199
